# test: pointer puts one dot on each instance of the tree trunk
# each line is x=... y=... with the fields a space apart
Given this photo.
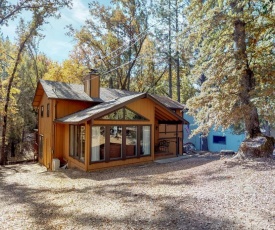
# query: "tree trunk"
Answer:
x=170 y=52
x=177 y=54
x=3 y=154
x=246 y=79
x=255 y=144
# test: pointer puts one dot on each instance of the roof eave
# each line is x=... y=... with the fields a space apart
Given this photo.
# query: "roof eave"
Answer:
x=102 y=113
x=168 y=109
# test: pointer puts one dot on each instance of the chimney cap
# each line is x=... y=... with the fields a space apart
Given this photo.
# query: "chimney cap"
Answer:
x=93 y=71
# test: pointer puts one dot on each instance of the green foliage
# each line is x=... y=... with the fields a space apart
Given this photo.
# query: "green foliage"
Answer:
x=211 y=42
x=100 y=40
x=15 y=114
x=70 y=71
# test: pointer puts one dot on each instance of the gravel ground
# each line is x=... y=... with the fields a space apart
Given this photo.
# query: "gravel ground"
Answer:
x=201 y=192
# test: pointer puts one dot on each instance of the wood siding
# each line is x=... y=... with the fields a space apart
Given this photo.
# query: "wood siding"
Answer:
x=56 y=136
x=66 y=107
x=46 y=130
x=142 y=107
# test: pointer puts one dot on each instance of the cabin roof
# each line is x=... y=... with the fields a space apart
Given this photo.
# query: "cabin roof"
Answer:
x=104 y=108
x=168 y=102
x=110 y=100
x=61 y=90
x=99 y=110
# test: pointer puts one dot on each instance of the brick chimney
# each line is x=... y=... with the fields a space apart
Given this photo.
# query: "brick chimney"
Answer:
x=92 y=84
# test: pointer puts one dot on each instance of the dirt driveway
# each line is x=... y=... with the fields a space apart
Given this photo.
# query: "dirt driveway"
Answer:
x=203 y=192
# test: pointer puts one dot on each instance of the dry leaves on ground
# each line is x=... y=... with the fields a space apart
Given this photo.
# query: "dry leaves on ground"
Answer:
x=202 y=192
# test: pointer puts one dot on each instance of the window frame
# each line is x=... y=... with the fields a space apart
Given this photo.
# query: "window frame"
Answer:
x=123 y=116
x=138 y=153
x=48 y=109
x=77 y=142
x=42 y=111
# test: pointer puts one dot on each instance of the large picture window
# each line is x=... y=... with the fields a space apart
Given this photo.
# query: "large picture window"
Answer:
x=77 y=142
x=119 y=142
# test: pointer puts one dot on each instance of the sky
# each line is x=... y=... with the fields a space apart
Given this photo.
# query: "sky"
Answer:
x=56 y=45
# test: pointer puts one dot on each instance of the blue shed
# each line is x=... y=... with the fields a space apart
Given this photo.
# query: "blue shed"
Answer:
x=217 y=140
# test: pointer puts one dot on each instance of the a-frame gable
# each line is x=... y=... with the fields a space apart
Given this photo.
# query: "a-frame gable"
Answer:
x=125 y=114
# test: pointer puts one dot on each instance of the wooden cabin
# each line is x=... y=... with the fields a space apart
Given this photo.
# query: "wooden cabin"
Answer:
x=91 y=128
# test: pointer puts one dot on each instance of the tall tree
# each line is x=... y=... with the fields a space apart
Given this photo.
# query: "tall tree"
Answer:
x=26 y=33
x=112 y=39
x=169 y=13
x=9 y=10
x=233 y=45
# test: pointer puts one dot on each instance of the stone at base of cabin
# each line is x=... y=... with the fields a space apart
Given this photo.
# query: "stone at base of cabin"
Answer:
x=261 y=146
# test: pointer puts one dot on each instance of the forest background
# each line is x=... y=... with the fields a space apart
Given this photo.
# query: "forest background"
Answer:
x=216 y=56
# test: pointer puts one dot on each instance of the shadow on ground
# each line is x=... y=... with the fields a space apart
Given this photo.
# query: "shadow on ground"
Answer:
x=140 y=170
x=164 y=211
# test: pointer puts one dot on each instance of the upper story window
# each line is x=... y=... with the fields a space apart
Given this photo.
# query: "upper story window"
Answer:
x=48 y=110
x=42 y=111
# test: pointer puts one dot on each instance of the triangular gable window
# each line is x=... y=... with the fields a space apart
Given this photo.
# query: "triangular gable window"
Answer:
x=123 y=114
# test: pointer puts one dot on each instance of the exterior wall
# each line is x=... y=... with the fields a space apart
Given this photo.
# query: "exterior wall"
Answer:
x=46 y=130
x=53 y=146
x=56 y=136
x=59 y=141
x=233 y=141
x=114 y=163
x=142 y=107
x=66 y=107
x=72 y=163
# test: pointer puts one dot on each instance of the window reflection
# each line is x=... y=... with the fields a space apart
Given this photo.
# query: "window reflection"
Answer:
x=98 y=143
x=115 y=142
x=145 y=140
x=131 y=141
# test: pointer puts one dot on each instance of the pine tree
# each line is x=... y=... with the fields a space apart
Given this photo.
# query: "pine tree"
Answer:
x=233 y=46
